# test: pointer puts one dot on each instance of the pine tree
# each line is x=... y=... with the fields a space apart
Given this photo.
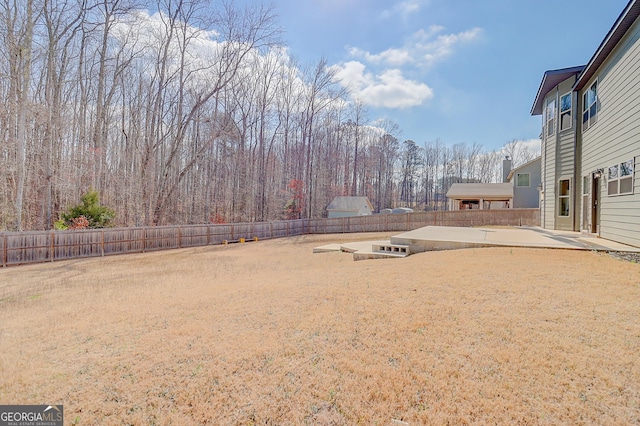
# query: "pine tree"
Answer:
x=97 y=216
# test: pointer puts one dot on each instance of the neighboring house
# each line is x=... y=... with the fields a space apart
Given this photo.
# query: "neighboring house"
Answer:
x=480 y=196
x=401 y=210
x=349 y=206
x=591 y=138
x=526 y=181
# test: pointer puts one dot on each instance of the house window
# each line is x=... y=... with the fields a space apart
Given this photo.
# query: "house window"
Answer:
x=590 y=106
x=551 y=117
x=522 y=179
x=563 y=197
x=565 y=112
x=620 y=178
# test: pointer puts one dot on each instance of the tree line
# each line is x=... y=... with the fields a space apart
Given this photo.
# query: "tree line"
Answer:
x=192 y=114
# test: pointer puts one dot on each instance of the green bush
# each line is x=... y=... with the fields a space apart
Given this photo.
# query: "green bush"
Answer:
x=60 y=225
x=97 y=216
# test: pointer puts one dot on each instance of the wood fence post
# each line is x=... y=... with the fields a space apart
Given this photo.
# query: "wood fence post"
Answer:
x=144 y=239
x=52 y=246
x=102 y=242
x=208 y=234
x=271 y=229
x=179 y=236
x=4 y=250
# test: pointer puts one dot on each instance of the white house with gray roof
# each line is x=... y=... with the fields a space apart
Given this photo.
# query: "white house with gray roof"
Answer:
x=343 y=206
x=591 y=138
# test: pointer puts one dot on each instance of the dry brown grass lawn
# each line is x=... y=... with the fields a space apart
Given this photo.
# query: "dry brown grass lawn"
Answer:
x=269 y=333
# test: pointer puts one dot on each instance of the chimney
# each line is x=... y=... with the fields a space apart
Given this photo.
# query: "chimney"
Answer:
x=506 y=169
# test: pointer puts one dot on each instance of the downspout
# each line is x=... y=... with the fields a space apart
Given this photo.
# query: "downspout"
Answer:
x=577 y=185
x=543 y=179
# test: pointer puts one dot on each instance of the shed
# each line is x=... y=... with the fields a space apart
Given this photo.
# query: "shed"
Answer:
x=349 y=206
x=480 y=196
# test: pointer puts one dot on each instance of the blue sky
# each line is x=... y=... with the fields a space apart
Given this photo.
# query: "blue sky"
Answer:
x=459 y=70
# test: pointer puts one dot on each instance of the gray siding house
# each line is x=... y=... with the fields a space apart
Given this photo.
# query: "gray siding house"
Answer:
x=591 y=138
x=526 y=181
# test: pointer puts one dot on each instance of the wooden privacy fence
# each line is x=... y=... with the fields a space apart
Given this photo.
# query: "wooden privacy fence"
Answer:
x=47 y=246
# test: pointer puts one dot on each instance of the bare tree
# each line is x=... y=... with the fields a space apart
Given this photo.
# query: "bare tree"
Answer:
x=18 y=19
x=432 y=152
x=62 y=22
x=411 y=161
x=243 y=33
x=174 y=123
x=359 y=120
x=518 y=152
x=488 y=167
x=472 y=157
x=319 y=94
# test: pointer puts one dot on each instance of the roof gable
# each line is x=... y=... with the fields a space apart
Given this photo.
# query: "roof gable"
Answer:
x=349 y=203
x=550 y=80
x=480 y=190
x=525 y=165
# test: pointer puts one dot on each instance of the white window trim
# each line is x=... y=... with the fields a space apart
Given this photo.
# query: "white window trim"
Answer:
x=619 y=178
x=523 y=186
x=591 y=121
x=553 y=119
x=568 y=197
x=570 y=110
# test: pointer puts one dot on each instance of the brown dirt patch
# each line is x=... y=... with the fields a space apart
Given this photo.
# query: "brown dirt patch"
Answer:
x=269 y=333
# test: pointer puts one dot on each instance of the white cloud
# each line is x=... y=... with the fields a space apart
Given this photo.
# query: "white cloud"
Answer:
x=433 y=51
x=424 y=49
x=409 y=6
x=533 y=145
x=388 y=89
x=404 y=9
x=383 y=83
x=394 y=57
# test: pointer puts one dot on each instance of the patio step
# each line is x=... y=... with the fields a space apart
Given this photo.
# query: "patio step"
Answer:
x=363 y=250
x=383 y=250
x=401 y=250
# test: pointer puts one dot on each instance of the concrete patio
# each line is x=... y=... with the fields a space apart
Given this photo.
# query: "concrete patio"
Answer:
x=432 y=238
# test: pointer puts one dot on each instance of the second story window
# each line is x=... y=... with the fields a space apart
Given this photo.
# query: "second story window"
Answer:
x=523 y=179
x=550 y=117
x=590 y=106
x=565 y=112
